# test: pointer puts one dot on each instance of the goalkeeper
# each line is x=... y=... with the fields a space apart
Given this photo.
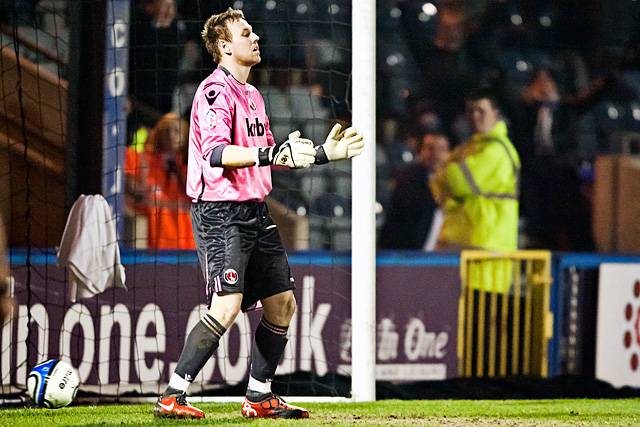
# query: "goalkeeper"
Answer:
x=231 y=151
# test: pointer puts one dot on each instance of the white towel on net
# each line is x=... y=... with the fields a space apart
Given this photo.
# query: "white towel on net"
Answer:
x=89 y=248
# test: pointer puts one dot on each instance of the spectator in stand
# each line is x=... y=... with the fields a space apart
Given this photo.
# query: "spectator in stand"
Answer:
x=413 y=215
x=446 y=63
x=541 y=98
x=535 y=131
x=156 y=179
x=556 y=213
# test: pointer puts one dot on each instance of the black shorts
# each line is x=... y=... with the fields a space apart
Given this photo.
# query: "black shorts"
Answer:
x=240 y=250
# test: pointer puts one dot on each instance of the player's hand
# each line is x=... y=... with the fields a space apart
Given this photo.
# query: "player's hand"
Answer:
x=295 y=152
x=340 y=145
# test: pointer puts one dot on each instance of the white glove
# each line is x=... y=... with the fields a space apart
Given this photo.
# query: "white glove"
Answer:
x=340 y=145
x=295 y=153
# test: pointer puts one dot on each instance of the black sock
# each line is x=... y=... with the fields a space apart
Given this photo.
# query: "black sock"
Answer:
x=268 y=345
x=199 y=346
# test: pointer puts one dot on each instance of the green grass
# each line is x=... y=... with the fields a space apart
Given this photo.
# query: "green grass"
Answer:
x=576 y=412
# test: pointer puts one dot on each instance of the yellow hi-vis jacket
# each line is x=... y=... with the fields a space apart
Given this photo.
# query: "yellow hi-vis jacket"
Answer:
x=478 y=192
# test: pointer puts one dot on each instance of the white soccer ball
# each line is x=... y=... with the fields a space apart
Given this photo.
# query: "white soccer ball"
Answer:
x=53 y=384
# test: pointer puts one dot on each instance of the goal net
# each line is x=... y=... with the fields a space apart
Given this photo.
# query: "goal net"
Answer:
x=127 y=342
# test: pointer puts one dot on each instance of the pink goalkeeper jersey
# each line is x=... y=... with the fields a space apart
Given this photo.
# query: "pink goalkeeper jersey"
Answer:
x=227 y=112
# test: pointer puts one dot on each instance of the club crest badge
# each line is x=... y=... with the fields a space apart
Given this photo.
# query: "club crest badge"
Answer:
x=230 y=276
x=252 y=105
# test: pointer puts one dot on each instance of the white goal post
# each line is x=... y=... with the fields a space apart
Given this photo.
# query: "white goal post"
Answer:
x=363 y=184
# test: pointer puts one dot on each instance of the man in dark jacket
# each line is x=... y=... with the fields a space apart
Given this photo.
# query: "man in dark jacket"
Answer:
x=412 y=207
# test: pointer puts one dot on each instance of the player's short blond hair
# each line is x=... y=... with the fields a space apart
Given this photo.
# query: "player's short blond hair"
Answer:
x=216 y=29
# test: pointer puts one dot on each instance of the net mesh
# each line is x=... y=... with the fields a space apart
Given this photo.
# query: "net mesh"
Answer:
x=127 y=342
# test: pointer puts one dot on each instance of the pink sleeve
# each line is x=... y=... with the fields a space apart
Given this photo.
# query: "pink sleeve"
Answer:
x=215 y=113
x=270 y=139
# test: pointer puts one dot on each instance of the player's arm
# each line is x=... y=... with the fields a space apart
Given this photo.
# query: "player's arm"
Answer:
x=340 y=145
x=216 y=111
x=295 y=153
x=235 y=157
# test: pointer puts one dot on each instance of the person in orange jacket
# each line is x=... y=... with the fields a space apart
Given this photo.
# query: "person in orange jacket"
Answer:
x=156 y=179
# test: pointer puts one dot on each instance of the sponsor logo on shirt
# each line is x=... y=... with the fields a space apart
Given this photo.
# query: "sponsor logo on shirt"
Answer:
x=254 y=129
x=230 y=276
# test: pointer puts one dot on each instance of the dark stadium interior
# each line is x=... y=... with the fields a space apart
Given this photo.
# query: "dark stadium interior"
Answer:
x=429 y=55
x=566 y=74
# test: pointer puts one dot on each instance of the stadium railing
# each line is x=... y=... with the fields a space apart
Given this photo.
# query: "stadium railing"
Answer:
x=504 y=321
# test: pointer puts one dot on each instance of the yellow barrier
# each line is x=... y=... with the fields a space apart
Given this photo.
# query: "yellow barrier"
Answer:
x=504 y=322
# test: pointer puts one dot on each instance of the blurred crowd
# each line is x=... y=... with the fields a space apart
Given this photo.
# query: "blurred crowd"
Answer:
x=565 y=77
x=565 y=81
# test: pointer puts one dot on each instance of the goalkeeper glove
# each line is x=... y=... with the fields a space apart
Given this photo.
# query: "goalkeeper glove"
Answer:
x=295 y=153
x=339 y=145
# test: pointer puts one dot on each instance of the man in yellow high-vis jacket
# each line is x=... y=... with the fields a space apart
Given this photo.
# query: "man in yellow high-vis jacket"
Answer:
x=478 y=188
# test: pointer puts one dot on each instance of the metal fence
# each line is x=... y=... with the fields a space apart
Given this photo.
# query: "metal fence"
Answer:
x=504 y=321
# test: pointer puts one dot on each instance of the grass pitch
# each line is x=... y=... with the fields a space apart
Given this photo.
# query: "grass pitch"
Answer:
x=575 y=412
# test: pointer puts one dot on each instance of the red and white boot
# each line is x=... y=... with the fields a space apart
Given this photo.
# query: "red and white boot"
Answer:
x=176 y=407
x=272 y=406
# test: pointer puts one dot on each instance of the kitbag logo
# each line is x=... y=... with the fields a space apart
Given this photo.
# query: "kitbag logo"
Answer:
x=254 y=129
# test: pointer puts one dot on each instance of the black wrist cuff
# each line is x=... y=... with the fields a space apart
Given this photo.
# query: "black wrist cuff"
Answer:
x=215 y=159
x=321 y=156
x=264 y=156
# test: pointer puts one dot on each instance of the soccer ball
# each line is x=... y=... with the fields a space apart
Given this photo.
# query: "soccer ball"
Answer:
x=53 y=384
